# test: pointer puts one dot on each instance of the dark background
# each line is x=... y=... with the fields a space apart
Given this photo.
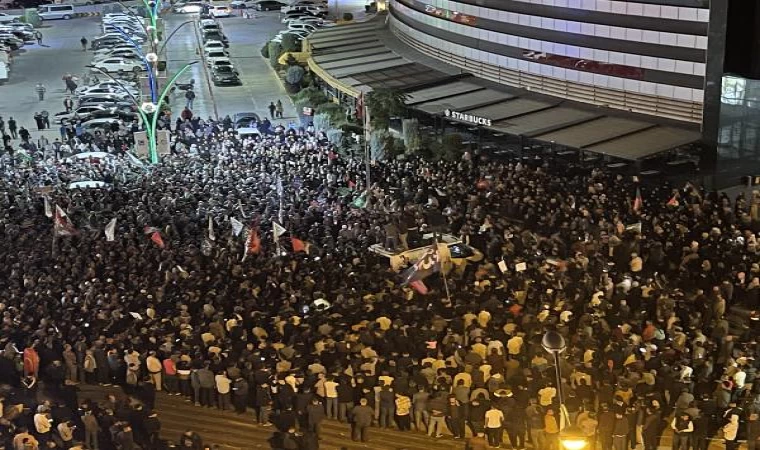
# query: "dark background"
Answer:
x=743 y=38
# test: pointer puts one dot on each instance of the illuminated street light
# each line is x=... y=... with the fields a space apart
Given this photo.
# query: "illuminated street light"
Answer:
x=570 y=436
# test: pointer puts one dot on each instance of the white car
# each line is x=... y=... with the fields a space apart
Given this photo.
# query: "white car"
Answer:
x=6 y=18
x=82 y=90
x=189 y=8
x=118 y=65
x=302 y=27
x=220 y=11
x=212 y=46
x=216 y=55
x=92 y=90
x=299 y=34
x=130 y=53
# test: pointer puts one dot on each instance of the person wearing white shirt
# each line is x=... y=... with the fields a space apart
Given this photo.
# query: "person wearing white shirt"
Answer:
x=154 y=369
x=331 y=398
x=43 y=423
x=493 y=423
x=223 y=389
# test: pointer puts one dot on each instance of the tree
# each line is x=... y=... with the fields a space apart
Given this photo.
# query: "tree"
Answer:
x=265 y=50
x=335 y=112
x=275 y=50
x=348 y=17
x=293 y=78
x=384 y=104
x=311 y=96
x=290 y=43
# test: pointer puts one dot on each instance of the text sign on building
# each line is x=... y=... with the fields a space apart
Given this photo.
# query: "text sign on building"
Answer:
x=469 y=118
x=454 y=16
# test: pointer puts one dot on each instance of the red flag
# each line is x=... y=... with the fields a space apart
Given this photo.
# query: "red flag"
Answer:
x=253 y=243
x=419 y=286
x=298 y=245
x=62 y=224
x=673 y=200
x=638 y=201
x=156 y=238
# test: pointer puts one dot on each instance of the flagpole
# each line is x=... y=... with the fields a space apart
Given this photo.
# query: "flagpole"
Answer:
x=443 y=271
x=365 y=113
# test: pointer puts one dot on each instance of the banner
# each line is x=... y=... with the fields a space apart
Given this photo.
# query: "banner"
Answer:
x=278 y=230
x=211 y=234
x=237 y=226
x=111 y=230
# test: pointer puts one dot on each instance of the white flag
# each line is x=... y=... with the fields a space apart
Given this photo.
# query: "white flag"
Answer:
x=211 y=234
x=48 y=207
x=278 y=229
x=111 y=230
x=237 y=226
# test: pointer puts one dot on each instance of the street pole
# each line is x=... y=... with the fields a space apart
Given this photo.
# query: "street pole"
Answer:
x=367 y=135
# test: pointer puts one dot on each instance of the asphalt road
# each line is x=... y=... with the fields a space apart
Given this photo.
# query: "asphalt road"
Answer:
x=61 y=53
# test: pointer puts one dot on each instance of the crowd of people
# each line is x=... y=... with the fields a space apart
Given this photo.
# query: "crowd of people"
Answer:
x=653 y=288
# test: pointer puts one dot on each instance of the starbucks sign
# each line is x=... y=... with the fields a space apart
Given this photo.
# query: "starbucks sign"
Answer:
x=469 y=118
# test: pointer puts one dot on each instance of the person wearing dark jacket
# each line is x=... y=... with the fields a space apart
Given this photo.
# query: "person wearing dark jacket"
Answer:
x=455 y=418
x=152 y=427
x=315 y=414
x=207 y=385
x=651 y=428
x=620 y=431
x=263 y=404
x=361 y=420
x=240 y=394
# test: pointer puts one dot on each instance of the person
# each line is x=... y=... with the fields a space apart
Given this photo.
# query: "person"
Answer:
x=91 y=429
x=620 y=432
x=403 y=412
x=494 y=426
x=731 y=430
x=38 y=121
x=223 y=384
x=361 y=419
x=272 y=108
x=315 y=415
x=12 y=127
x=189 y=97
x=682 y=431
x=68 y=104
x=38 y=36
x=24 y=135
x=279 y=109
x=83 y=41
x=40 y=89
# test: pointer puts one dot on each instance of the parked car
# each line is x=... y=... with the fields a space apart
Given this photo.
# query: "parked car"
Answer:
x=317 y=10
x=300 y=35
x=8 y=18
x=244 y=119
x=223 y=62
x=96 y=90
x=86 y=113
x=189 y=8
x=269 y=5
x=55 y=11
x=220 y=11
x=132 y=88
x=119 y=65
x=118 y=53
x=242 y=4
x=210 y=46
x=302 y=27
x=225 y=76
x=102 y=125
x=215 y=55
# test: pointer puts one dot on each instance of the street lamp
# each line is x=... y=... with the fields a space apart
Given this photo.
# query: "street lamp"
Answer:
x=570 y=436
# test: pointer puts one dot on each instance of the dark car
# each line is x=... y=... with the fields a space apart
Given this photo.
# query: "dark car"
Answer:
x=215 y=36
x=269 y=5
x=107 y=43
x=225 y=76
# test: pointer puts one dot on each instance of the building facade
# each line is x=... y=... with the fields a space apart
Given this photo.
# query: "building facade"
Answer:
x=661 y=58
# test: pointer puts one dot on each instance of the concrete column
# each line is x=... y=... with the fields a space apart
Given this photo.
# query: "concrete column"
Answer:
x=716 y=44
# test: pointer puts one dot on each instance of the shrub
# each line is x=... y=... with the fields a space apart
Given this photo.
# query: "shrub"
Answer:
x=348 y=17
x=321 y=122
x=294 y=75
x=335 y=136
x=335 y=112
x=265 y=50
x=275 y=50
x=411 y=134
x=290 y=43
x=451 y=147
x=311 y=96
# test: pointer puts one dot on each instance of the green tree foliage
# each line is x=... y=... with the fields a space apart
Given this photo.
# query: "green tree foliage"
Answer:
x=335 y=112
x=290 y=43
x=311 y=96
x=275 y=50
x=384 y=104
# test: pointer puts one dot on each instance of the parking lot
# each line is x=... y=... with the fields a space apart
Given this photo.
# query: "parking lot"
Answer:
x=61 y=53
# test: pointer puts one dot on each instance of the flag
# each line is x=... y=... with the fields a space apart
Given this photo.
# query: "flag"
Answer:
x=156 y=238
x=634 y=227
x=237 y=226
x=111 y=230
x=428 y=264
x=360 y=201
x=278 y=230
x=48 y=207
x=673 y=200
x=280 y=190
x=419 y=286
x=211 y=234
x=150 y=230
x=62 y=224
x=300 y=246
x=637 y=202
x=360 y=106
x=253 y=243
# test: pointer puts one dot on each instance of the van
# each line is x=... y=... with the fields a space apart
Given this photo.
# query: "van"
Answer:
x=52 y=12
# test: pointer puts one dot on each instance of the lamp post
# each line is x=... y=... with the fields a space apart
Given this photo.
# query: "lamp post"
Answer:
x=149 y=111
x=570 y=436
